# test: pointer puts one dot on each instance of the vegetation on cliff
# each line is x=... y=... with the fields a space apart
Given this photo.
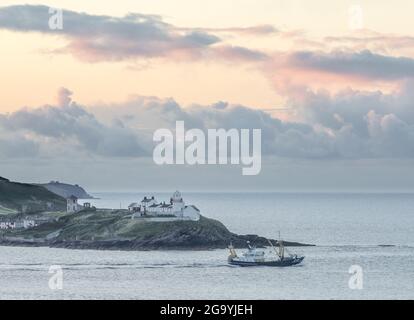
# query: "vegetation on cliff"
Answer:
x=24 y=197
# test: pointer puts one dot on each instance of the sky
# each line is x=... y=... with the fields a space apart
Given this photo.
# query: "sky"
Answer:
x=329 y=83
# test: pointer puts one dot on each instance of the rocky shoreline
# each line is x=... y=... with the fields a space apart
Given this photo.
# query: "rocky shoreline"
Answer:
x=129 y=245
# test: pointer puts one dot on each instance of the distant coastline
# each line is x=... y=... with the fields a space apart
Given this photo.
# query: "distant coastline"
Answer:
x=66 y=190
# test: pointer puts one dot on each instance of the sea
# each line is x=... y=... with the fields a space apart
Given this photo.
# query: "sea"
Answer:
x=364 y=249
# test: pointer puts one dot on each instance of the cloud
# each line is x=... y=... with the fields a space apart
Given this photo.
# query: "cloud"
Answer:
x=99 y=37
x=65 y=130
x=364 y=64
x=64 y=97
x=291 y=73
x=363 y=124
x=279 y=138
x=125 y=130
x=237 y=53
x=373 y=41
x=259 y=30
x=94 y=38
x=347 y=125
x=15 y=145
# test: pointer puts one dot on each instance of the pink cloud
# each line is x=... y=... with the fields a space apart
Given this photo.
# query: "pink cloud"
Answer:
x=290 y=72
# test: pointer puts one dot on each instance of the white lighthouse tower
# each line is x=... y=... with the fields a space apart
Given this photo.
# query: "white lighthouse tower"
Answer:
x=178 y=204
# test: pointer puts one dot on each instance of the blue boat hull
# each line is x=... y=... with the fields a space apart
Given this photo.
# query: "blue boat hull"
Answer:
x=287 y=262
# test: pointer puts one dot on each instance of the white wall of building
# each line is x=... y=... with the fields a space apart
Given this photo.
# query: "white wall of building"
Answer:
x=176 y=207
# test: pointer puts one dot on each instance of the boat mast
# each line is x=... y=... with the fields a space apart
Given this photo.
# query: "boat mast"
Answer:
x=281 y=248
x=233 y=253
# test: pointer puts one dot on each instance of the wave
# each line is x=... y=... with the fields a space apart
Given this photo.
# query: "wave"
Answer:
x=79 y=266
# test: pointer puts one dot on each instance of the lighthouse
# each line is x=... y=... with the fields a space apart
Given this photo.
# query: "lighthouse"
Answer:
x=178 y=204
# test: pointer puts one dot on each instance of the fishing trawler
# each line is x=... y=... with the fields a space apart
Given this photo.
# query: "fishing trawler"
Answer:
x=254 y=257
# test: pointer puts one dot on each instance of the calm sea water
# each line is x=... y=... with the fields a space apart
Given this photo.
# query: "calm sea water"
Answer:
x=348 y=229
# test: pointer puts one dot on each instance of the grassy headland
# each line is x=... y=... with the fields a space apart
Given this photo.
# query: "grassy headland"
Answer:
x=106 y=229
x=29 y=198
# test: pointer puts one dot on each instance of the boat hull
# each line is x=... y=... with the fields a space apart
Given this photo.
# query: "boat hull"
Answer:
x=287 y=262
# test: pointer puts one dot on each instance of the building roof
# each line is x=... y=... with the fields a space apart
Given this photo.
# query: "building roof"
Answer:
x=195 y=208
x=72 y=197
x=132 y=205
x=154 y=205
x=147 y=200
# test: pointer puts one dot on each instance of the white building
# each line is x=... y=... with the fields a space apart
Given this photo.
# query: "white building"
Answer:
x=175 y=207
x=29 y=223
x=146 y=203
x=72 y=204
x=18 y=224
x=24 y=223
x=7 y=225
x=177 y=202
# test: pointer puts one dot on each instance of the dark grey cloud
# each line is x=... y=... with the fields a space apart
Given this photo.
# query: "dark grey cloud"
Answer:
x=102 y=37
x=362 y=64
x=66 y=130
x=279 y=138
x=363 y=124
x=95 y=38
x=348 y=125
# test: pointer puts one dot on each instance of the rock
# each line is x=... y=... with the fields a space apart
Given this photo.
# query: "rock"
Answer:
x=66 y=190
x=28 y=198
x=102 y=230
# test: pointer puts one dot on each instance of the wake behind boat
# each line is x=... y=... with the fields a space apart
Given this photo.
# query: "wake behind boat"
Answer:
x=254 y=257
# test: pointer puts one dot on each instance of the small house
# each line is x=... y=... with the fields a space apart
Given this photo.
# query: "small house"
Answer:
x=134 y=207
